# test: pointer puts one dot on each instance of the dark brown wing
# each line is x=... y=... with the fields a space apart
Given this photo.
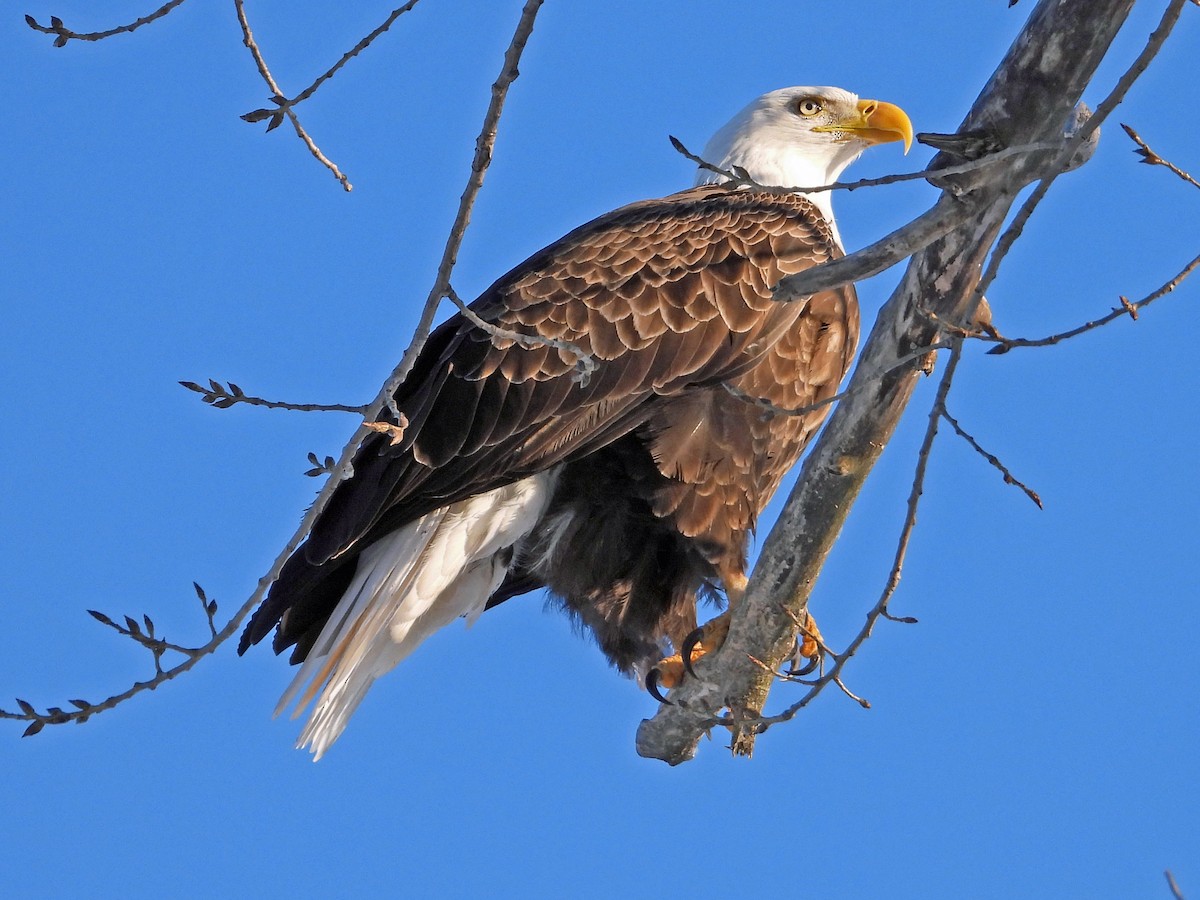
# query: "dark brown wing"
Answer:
x=665 y=295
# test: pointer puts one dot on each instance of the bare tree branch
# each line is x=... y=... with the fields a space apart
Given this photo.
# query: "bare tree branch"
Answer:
x=1025 y=101
x=936 y=222
x=880 y=609
x=585 y=365
x=992 y=459
x=1171 y=882
x=224 y=396
x=1085 y=132
x=65 y=34
x=1150 y=158
x=265 y=72
x=944 y=216
x=484 y=145
x=739 y=178
x=1127 y=308
x=283 y=104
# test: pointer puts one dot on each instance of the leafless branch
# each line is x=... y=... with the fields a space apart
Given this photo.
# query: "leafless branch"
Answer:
x=939 y=411
x=880 y=609
x=65 y=34
x=585 y=365
x=142 y=634
x=1150 y=158
x=1171 y=882
x=739 y=178
x=1064 y=161
x=283 y=103
x=992 y=459
x=484 y=145
x=223 y=396
x=1025 y=101
x=945 y=215
x=278 y=98
x=1127 y=308
x=942 y=218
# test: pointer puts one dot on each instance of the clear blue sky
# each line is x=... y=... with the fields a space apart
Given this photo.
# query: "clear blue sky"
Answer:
x=1035 y=735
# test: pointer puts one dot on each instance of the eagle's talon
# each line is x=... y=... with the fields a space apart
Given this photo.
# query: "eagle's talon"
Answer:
x=652 y=687
x=808 y=667
x=689 y=647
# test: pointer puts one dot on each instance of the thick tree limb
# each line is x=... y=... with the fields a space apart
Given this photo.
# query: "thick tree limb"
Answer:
x=1027 y=99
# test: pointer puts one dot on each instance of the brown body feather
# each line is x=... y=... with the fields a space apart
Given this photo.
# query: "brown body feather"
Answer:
x=662 y=471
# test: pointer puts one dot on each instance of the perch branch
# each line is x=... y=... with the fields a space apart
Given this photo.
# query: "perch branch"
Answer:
x=1026 y=101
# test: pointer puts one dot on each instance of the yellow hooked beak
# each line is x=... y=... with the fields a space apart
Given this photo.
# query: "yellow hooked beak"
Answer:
x=876 y=122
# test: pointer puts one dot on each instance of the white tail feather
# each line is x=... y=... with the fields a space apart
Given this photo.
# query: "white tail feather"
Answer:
x=408 y=585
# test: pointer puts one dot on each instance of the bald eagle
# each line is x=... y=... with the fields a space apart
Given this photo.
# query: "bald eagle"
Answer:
x=627 y=494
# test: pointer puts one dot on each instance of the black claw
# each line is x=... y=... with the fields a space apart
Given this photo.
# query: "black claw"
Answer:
x=808 y=667
x=689 y=644
x=652 y=687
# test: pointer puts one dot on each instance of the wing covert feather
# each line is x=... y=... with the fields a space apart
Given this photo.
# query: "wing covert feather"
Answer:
x=662 y=294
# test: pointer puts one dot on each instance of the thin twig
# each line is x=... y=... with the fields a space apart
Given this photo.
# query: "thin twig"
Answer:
x=223 y=396
x=585 y=365
x=1171 y=882
x=1063 y=161
x=1150 y=158
x=1127 y=308
x=353 y=52
x=84 y=710
x=483 y=156
x=65 y=34
x=739 y=178
x=277 y=95
x=992 y=459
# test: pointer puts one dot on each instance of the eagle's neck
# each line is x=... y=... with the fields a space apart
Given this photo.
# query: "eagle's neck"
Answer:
x=782 y=163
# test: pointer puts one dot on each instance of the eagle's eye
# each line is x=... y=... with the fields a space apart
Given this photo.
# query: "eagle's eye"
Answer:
x=808 y=106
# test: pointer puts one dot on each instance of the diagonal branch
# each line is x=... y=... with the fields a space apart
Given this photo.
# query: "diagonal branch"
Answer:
x=585 y=365
x=944 y=216
x=880 y=609
x=1025 y=101
x=284 y=105
x=1064 y=162
x=265 y=72
x=992 y=459
x=484 y=145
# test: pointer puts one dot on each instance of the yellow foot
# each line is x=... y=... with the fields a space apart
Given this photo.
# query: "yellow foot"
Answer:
x=809 y=644
x=669 y=672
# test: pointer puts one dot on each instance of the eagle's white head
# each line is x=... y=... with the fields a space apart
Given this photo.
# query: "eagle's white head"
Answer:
x=803 y=137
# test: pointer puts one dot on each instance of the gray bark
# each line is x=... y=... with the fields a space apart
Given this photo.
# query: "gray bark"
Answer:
x=1026 y=100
